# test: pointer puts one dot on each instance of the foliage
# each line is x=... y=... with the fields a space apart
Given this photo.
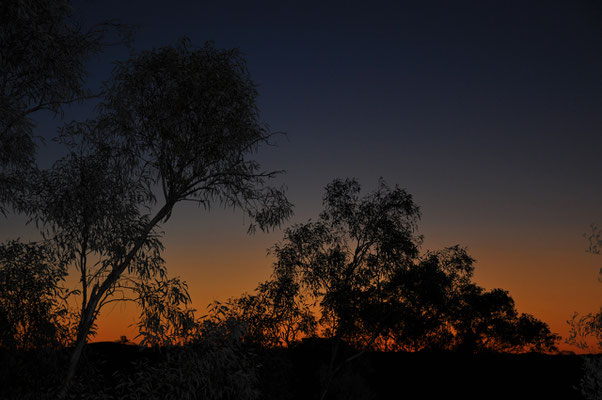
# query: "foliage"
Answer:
x=203 y=371
x=589 y=326
x=584 y=327
x=43 y=64
x=420 y=297
x=165 y=319
x=33 y=307
x=179 y=119
x=211 y=361
x=489 y=320
x=343 y=260
x=188 y=118
x=191 y=138
x=433 y=304
x=595 y=239
x=360 y=263
x=90 y=207
x=346 y=256
x=35 y=319
x=276 y=315
x=42 y=67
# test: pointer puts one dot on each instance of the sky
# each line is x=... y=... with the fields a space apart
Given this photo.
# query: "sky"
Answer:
x=487 y=112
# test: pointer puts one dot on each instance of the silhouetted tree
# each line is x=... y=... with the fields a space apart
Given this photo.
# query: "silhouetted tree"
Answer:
x=531 y=334
x=590 y=325
x=33 y=307
x=433 y=303
x=350 y=252
x=203 y=371
x=488 y=320
x=42 y=67
x=35 y=319
x=587 y=327
x=278 y=314
x=344 y=258
x=165 y=318
x=360 y=264
x=176 y=119
x=419 y=300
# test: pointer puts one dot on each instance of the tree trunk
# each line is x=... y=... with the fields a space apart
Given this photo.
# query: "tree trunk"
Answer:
x=73 y=361
x=89 y=314
x=87 y=319
x=331 y=370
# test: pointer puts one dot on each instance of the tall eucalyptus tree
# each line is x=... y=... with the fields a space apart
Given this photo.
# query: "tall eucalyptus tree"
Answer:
x=176 y=124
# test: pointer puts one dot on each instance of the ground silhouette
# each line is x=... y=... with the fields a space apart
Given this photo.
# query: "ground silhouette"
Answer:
x=298 y=371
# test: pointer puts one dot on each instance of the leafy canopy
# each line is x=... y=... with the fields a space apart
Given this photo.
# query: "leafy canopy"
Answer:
x=33 y=308
x=187 y=120
x=360 y=264
x=43 y=60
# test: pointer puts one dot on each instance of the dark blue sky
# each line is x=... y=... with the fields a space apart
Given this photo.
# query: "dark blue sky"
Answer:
x=487 y=111
x=482 y=104
x=495 y=94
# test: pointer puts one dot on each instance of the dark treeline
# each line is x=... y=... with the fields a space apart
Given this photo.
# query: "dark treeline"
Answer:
x=356 y=275
x=353 y=310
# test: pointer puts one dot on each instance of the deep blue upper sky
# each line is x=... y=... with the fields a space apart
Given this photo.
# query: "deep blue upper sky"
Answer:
x=474 y=102
x=487 y=111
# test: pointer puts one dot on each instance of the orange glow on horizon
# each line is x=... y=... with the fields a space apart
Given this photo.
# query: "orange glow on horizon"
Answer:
x=119 y=318
x=548 y=274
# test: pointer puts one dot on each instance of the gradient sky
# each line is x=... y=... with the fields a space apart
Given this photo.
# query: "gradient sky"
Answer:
x=488 y=112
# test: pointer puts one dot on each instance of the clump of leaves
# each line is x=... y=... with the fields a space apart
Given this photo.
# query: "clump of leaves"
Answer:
x=586 y=327
x=165 y=318
x=33 y=304
x=277 y=314
x=35 y=320
x=214 y=366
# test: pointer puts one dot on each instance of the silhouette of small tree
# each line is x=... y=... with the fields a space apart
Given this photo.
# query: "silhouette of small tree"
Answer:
x=419 y=298
x=165 y=318
x=587 y=327
x=278 y=314
x=33 y=308
x=214 y=364
x=590 y=325
x=123 y=340
x=35 y=319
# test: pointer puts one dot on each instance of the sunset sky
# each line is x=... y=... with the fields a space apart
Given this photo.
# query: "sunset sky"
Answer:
x=487 y=112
